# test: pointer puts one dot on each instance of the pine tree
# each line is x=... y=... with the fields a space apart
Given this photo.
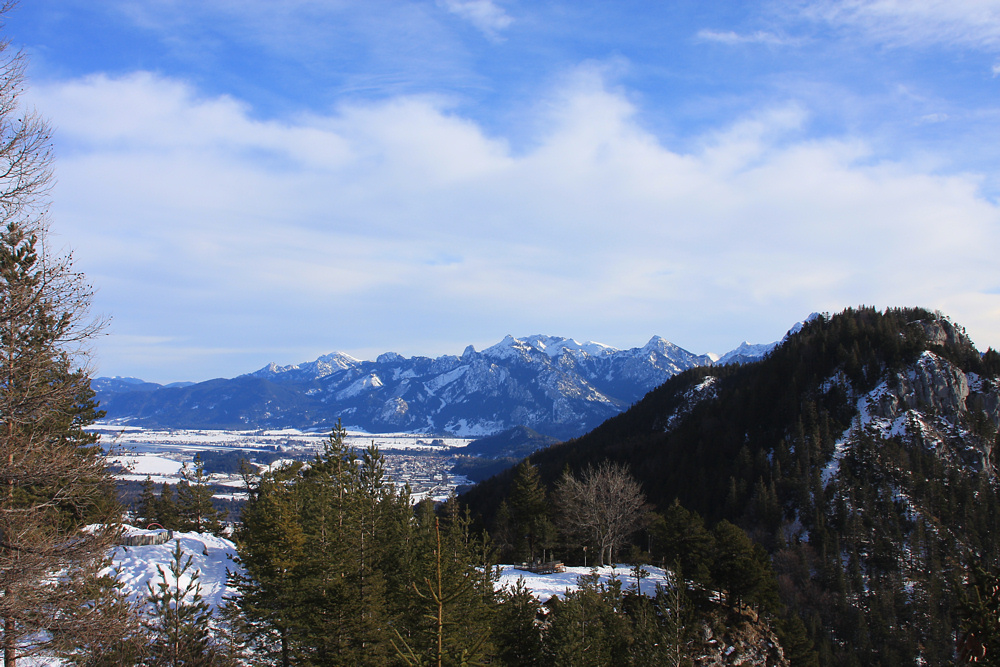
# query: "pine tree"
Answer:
x=529 y=512
x=272 y=550
x=741 y=568
x=589 y=626
x=681 y=538
x=167 y=513
x=179 y=618
x=453 y=627
x=53 y=479
x=194 y=501
x=979 y=642
x=516 y=632
x=325 y=552
x=146 y=512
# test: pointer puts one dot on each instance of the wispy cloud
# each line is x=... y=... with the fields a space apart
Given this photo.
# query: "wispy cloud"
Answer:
x=485 y=15
x=966 y=23
x=735 y=39
x=193 y=216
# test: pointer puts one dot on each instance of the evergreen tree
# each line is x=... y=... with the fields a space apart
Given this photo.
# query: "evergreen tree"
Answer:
x=529 y=512
x=179 y=618
x=589 y=627
x=272 y=550
x=979 y=641
x=516 y=631
x=194 y=501
x=741 y=568
x=326 y=551
x=680 y=537
x=167 y=513
x=450 y=592
x=53 y=478
x=146 y=512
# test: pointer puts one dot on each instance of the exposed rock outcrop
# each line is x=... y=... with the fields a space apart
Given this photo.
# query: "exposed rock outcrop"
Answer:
x=957 y=412
x=741 y=638
x=931 y=383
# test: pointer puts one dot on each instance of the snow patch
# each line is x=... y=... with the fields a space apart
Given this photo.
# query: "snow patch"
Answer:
x=544 y=586
x=210 y=557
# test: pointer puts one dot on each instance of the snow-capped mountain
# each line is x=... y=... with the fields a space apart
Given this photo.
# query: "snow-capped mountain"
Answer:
x=554 y=385
x=747 y=352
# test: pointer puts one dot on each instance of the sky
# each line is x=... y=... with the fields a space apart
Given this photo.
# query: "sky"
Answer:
x=248 y=181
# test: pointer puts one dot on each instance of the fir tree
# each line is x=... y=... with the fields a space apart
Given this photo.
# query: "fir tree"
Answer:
x=325 y=552
x=194 y=501
x=179 y=618
x=529 y=512
x=53 y=477
x=516 y=631
x=146 y=512
x=450 y=592
x=589 y=626
x=272 y=550
x=167 y=514
x=741 y=568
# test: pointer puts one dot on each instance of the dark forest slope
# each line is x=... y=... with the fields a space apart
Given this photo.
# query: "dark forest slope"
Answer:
x=861 y=453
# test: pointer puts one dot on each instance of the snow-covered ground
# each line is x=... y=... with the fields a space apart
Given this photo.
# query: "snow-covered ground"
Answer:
x=139 y=466
x=122 y=437
x=212 y=556
x=544 y=586
x=423 y=461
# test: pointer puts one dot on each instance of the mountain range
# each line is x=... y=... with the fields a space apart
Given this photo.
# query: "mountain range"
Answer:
x=556 y=386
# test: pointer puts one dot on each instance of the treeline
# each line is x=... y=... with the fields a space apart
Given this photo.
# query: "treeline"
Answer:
x=188 y=508
x=338 y=568
x=604 y=510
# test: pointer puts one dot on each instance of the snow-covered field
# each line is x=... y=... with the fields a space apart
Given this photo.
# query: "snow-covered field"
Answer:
x=422 y=461
x=159 y=468
x=125 y=438
x=211 y=556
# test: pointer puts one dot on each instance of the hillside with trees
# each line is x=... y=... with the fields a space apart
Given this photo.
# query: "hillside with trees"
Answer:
x=860 y=455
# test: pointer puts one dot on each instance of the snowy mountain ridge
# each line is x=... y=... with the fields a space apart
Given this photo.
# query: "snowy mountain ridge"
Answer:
x=555 y=385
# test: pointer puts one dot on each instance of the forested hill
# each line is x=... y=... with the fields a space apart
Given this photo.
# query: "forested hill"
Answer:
x=860 y=452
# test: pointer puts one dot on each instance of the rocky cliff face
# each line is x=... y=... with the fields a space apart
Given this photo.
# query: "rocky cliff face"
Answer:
x=946 y=404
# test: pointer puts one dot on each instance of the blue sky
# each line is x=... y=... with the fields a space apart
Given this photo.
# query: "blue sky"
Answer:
x=253 y=181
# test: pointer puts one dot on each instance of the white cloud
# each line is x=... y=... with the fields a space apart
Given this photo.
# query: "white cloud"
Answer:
x=969 y=23
x=485 y=15
x=732 y=38
x=934 y=118
x=202 y=224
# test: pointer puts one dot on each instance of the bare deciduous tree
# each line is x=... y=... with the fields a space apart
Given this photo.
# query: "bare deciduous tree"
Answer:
x=53 y=480
x=604 y=507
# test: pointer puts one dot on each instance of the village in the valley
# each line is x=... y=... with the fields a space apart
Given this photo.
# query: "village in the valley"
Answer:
x=421 y=461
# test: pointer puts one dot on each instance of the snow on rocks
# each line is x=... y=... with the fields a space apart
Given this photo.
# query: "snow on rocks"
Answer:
x=704 y=390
